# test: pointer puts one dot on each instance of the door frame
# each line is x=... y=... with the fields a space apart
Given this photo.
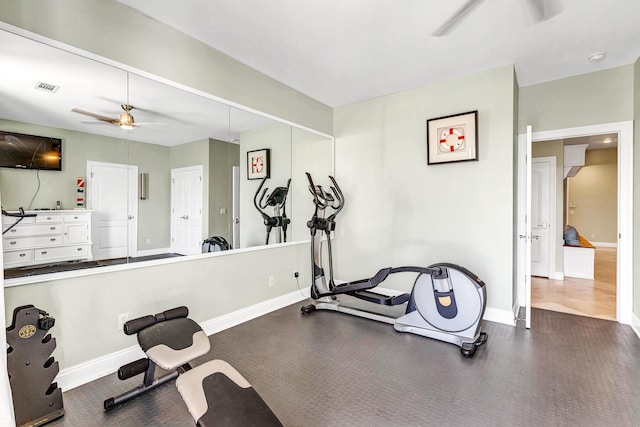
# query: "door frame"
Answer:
x=624 y=267
x=551 y=246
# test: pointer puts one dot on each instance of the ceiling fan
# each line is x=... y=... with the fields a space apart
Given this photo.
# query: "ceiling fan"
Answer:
x=125 y=120
x=534 y=8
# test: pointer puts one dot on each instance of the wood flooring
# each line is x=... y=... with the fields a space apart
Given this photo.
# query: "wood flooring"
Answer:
x=593 y=298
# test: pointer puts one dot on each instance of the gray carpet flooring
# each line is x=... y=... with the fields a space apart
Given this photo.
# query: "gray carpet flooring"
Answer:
x=331 y=369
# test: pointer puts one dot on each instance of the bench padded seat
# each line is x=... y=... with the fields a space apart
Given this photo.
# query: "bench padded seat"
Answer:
x=216 y=394
x=173 y=343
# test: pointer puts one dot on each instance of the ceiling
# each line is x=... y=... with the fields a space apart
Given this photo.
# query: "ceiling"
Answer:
x=595 y=142
x=340 y=52
x=167 y=115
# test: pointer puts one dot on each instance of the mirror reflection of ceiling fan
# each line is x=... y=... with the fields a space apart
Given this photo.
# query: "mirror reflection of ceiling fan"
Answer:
x=125 y=120
x=536 y=9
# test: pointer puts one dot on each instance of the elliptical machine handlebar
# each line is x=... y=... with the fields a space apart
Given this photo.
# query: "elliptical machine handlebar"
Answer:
x=323 y=199
x=277 y=199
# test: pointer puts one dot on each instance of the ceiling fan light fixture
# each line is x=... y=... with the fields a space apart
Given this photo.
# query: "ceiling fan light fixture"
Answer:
x=597 y=57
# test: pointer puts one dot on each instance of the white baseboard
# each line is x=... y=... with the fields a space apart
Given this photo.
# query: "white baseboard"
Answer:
x=635 y=324
x=490 y=314
x=248 y=313
x=558 y=275
x=499 y=316
x=91 y=370
x=150 y=252
x=604 y=244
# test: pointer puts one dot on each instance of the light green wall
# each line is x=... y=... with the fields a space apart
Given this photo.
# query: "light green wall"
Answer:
x=222 y=157
x=115 y=31
x=594 y=98
x=515 y=238
x=594 y=191
x=312 y=153
x=636 y=190
x=19 y=186
x=277 y=138
x=401 y=211
x=86 y=309
x=154 y=215
x=555 y=149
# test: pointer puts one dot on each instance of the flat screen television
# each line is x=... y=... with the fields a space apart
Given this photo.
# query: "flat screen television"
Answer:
x=21 y=151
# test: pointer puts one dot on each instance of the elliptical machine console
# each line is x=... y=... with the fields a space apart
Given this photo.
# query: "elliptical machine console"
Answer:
x=277 y=199
x=447 y=301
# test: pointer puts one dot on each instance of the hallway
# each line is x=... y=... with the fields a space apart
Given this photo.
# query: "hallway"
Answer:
x=593 y=298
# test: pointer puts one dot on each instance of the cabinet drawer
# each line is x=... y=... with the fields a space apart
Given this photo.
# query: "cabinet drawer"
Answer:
x=66 y=252
x=30 y=242
x=48 y=218
x=76 y=218
x=34 y=230
x=18 y=257
x=8 y=220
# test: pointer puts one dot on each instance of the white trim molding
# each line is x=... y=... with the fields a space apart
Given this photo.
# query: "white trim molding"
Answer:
x=497 y=315
x=91 y=370
x=635 y=324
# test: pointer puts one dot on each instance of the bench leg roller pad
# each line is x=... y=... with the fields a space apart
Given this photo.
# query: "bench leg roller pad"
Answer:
x=216 y=394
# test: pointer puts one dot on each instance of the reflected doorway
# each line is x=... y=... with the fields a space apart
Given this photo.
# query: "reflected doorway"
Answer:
x=112 y=192
x=186 y=210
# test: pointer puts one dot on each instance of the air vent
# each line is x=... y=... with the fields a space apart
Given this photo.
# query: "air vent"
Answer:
x=46 y=87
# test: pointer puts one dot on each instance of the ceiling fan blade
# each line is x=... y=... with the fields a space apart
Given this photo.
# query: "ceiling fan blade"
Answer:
x=93 y=122
x=94 y=115
x=539 y=10
x=456 y=19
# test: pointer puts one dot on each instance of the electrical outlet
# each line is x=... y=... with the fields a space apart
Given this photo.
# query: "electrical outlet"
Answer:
x=295 y=274
x=122 y=319
x=148 y=241
x=272 y=281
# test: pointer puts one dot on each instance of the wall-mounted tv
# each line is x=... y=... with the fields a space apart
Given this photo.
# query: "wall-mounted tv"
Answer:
x=30 y=152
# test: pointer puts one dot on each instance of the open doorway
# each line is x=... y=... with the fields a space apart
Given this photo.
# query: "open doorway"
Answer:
x=624 y=261
x=586 y=243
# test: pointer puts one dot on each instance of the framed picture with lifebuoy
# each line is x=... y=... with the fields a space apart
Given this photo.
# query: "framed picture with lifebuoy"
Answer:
x=452 y=138
x=258 y=164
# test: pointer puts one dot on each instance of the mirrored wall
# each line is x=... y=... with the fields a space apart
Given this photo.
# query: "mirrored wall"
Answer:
x=148 y=170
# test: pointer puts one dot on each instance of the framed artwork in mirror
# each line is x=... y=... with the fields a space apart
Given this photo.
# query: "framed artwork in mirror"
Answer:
x=258 y=164
x=452 y=138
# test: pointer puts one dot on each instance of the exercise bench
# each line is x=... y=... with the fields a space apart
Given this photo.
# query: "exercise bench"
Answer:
x=214 y=392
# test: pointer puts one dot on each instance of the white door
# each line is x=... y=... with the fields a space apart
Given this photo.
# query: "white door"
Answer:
x=236 y=207
x=186 y=210
x=524 y=225
x=540 y=216
x=112 y=193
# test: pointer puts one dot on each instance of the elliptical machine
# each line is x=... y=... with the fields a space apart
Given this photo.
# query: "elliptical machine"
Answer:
x=278 y=200
x=447 y=301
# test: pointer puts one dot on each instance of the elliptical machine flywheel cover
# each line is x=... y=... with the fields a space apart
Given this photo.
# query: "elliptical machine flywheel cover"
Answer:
x=468 y=297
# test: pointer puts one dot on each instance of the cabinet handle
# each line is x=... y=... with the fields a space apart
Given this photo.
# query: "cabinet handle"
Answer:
x=48 y=217
x=13 y=243
x=13 y=230
x=23 y=254
x=75 y=217
x=53 y=240
x=43 y=252
x=79 y=249
x=52 y=228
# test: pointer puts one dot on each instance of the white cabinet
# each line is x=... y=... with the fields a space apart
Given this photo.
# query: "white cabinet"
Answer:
x=50 y=236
